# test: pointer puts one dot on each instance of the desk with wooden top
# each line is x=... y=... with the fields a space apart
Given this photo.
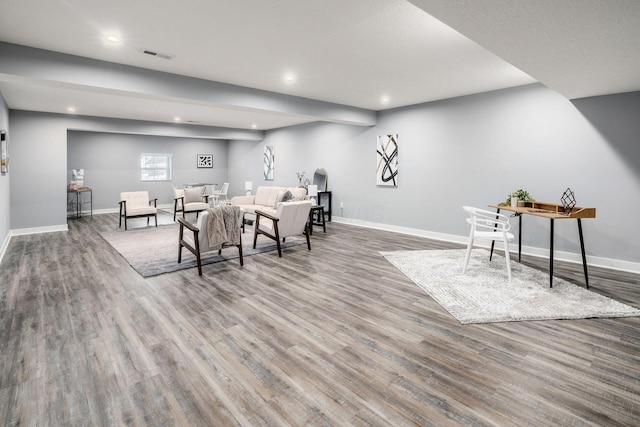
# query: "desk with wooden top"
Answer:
x=552 y=211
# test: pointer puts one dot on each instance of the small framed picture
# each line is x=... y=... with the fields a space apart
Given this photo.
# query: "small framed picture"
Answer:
x=205 y=160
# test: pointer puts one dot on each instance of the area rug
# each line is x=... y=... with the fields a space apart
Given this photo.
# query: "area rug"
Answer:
x=154 y=250
x=485 y=295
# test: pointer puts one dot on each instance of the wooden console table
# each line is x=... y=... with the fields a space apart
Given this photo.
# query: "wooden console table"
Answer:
x=552 y=211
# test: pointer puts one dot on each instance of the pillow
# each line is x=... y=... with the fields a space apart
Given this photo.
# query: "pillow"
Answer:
x=192 y=195
x=279 y=195
x=298 y=193
x=287 y=196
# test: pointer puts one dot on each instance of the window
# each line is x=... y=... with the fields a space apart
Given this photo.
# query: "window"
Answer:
x=155 y=167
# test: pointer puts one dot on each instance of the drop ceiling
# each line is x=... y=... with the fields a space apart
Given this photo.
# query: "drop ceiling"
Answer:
x=366 y=54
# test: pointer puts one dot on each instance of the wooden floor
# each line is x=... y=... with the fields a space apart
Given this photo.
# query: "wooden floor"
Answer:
x=332 y=337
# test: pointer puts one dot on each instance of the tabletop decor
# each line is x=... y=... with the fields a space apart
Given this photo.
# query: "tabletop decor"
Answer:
x=519 y=197
x=300 y=175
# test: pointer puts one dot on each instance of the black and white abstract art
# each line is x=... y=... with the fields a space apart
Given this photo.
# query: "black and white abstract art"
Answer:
x=268 y=162
x=387 y=161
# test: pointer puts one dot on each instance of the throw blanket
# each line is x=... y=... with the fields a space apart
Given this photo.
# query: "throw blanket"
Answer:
x=224 y=226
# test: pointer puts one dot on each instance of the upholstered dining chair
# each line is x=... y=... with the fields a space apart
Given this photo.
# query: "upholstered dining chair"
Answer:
x=487 y=225
x=290 y=219
x=136 y=204
x=189 y=200
x=216 y=228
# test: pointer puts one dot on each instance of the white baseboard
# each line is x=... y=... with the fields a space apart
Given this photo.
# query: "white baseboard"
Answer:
x=38 y=230
x=574 y=258
x=5 y=245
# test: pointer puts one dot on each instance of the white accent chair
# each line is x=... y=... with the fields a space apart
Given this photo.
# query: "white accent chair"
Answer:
x=487 y=225
x=217 y=194
x=196 y=238
x=136 y=204
x=189 y=200
x=290 y=219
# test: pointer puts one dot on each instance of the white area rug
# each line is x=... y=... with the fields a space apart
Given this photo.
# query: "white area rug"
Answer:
x=485 y=295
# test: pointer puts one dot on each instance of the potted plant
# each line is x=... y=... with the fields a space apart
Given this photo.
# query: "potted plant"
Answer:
x=519 y=197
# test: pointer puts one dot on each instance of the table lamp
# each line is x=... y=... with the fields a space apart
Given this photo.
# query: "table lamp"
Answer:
x=248 y=186
x=312 y=191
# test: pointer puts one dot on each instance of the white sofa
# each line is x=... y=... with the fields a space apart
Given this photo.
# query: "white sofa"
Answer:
x=267 y=198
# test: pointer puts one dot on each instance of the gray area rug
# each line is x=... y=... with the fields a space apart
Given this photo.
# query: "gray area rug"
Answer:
x=484 y=294
x=152 y=251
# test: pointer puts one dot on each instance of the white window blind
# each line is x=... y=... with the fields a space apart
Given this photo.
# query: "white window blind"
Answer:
x=155 y=167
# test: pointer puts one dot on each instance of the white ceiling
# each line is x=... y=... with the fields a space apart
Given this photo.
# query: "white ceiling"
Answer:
x=353 y=52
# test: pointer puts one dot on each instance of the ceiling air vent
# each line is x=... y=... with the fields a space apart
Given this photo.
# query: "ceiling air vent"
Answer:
x=156 y=53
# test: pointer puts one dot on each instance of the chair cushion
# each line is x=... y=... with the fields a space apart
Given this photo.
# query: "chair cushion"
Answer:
x=192 y=195
x=196 y=206
x=149 y=210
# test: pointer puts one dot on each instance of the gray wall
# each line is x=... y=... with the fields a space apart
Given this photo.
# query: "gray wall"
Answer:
x=470 y=150
x=39 y=161
x=38 y=171
x=4 y=181
x=475 y=150
x=111 y=164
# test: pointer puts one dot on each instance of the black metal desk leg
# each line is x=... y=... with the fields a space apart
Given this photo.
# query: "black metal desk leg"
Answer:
x=584 y=256
x=519 y=237
x=493 y=242
x=551 y=255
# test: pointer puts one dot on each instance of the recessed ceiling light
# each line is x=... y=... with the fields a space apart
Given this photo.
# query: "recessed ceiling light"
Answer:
x=254 y=126
x=289 y=78
x=71 y=109
x=384 y=100
x=176 y=119
x=112 y=38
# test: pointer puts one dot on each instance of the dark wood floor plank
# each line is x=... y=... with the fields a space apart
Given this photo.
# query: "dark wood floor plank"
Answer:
x=333 y=336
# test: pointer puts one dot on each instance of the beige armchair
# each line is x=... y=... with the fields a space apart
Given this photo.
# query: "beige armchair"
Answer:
x=136 y=204
x=216 y=228
x=290 y=219
x=189 y=200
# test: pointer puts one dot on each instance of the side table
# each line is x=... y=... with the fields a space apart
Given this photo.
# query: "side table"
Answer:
x=80 y=202
x=316 y=217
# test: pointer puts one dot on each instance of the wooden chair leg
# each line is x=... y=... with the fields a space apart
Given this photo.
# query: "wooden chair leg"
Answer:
x=240 y=252
x=256 y=227
x=277 y=236
x=307 y=232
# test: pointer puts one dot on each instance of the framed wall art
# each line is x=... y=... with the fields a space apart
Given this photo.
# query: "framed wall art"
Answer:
x=205 y=160
x=4 y=151
x=268 y=162
x=387 y=161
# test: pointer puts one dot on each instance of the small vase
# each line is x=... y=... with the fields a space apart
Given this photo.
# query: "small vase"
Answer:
x=514 y=202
